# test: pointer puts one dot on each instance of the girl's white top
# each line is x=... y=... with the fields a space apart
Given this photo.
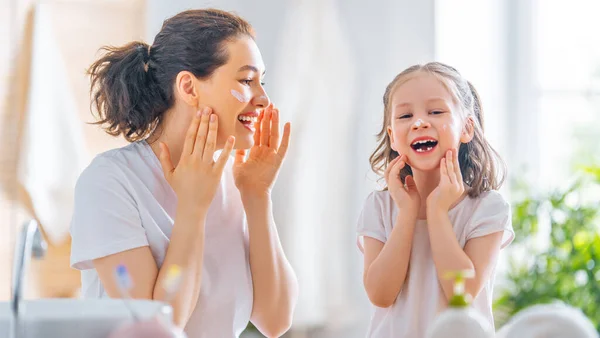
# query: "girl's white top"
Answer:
x=123 y=201
x=421 y=297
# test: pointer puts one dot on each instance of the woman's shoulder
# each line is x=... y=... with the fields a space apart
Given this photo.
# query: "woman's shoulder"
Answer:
x=109 y=166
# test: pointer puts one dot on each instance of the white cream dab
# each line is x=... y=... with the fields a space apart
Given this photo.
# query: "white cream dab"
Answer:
x=419 y=123
x=239 y=96
x=444 y=127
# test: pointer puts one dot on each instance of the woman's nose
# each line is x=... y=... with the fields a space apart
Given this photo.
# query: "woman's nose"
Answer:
x=261 y=99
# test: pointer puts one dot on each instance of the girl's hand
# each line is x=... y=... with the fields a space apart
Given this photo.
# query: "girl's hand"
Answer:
x=451 y=186
x=406 y=196
x=197 y=175
x=257 y=174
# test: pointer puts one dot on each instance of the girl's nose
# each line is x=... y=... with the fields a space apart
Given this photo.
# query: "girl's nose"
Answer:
x=420 y=124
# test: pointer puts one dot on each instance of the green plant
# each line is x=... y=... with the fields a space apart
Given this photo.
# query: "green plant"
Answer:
x=567 y=269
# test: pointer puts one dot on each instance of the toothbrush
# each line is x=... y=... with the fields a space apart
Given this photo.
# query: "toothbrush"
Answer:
x=172 y=281
x=125 y=283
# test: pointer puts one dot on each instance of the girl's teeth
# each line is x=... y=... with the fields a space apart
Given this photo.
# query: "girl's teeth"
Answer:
x=421 y=150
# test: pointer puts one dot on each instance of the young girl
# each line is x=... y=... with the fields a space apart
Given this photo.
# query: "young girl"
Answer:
x=169 y=198
x=440 y=211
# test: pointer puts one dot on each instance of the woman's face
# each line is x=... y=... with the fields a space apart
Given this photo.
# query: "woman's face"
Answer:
x=235 y=92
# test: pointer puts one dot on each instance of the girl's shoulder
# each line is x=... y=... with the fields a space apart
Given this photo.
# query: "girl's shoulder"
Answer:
x=379 y=199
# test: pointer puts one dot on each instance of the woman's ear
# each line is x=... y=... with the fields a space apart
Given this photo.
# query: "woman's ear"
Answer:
x=468 y=131
x=391 y=135
x=186 y=88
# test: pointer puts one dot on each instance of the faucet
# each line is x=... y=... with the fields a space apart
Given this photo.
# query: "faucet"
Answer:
x=29 y=243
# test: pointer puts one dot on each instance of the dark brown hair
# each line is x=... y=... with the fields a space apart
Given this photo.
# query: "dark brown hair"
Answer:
x=132 y=85
x=481 y=166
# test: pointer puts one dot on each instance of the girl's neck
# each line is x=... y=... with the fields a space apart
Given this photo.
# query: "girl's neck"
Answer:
x=426 y=182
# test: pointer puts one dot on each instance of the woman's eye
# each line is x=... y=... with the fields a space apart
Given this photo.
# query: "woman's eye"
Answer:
x=246 y=81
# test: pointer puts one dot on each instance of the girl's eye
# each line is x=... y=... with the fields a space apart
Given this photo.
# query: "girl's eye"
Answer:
x=437 y=112
x=405 y=116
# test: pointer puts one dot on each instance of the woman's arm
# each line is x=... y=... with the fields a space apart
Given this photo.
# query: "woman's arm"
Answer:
x=195 y=169
x=386 y=265
x=274 y=281
x=185 y=250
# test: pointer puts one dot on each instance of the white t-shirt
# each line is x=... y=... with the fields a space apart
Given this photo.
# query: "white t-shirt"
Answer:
x=123 y=201
x=421 y=297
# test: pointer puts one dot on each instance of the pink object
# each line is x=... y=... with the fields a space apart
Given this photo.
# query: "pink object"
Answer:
x=150 y=328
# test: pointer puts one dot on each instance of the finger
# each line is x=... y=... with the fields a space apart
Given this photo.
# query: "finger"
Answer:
x=395 y=172
x=389 y=167
x=220 y=164
x=211 y=139
x=285 y=142
x=444 y=171
x=265 y=127
x=457 y=171
x=257 y=127
x=202 y=131
x=410 y=184
x=450 y=167
x=240 y=156
x=190 y=137
x=165 y=160
x=274 y=140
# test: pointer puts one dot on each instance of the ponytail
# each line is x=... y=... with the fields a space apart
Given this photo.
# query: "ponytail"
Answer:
x=127 y=99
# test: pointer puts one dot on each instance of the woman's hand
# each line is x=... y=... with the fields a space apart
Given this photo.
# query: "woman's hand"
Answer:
x=257 y=174
x=197 y=175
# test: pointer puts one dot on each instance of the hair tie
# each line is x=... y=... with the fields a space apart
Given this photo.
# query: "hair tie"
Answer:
x=145 y=54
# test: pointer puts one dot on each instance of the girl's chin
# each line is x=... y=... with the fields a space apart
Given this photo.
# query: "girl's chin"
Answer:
x=424 y=165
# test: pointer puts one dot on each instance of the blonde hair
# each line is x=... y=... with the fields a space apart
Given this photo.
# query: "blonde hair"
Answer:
x=481 y=166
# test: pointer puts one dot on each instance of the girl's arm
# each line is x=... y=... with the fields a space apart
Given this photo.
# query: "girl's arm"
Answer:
x=386 y=265
x=480 y=254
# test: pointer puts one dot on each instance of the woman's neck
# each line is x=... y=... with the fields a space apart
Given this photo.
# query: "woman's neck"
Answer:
x=171 y=132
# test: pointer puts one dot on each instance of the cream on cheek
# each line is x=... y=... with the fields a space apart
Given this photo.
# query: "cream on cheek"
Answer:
x=243 y=98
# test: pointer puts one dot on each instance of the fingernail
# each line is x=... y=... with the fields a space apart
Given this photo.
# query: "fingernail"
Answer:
x=206 y=111
x=199 y=113
x=213 y=117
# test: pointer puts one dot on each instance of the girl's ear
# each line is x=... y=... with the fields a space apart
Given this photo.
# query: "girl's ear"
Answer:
x=468 y=131
x=391 y=135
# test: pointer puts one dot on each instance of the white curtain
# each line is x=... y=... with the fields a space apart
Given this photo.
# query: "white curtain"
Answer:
x=315 y=86
x=53 y=152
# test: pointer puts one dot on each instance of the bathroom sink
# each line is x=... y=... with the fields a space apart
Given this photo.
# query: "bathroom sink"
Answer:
x=76 y=318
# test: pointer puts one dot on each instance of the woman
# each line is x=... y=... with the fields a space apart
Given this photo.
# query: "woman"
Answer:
x=169 y=198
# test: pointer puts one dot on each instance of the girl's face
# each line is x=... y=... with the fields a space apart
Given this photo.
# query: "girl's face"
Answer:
x=425 y=122
x=235 y=92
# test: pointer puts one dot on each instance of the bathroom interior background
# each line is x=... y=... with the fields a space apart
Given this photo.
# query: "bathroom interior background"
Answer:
x=536 y=65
